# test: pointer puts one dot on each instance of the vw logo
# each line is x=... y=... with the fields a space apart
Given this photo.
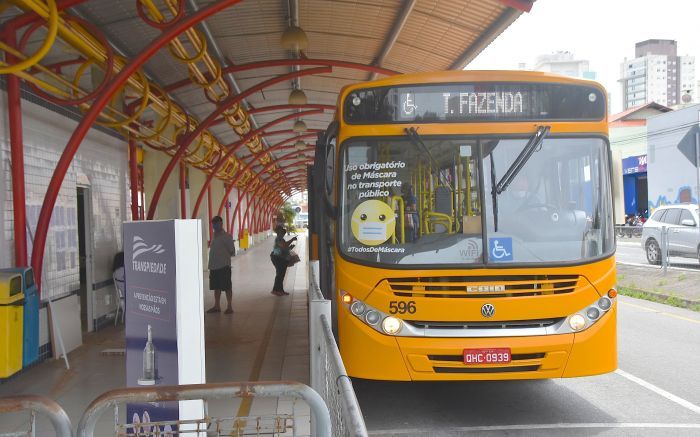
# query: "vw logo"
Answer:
x=488 y=310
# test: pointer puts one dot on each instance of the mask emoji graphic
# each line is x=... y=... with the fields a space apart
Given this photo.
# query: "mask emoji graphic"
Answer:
x=373 y=222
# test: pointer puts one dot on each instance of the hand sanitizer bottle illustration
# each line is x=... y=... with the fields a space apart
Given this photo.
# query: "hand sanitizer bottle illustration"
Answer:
x=149 y=361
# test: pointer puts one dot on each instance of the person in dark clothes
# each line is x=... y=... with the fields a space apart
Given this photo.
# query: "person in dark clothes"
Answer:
x=221 y=249
x=280 y=259
x=411 y=219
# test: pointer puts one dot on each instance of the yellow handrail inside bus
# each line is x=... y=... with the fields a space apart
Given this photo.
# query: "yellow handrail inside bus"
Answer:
x=402 y=218
x=430 y=219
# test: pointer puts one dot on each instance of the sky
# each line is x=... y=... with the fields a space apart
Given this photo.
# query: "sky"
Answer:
x=603 y=32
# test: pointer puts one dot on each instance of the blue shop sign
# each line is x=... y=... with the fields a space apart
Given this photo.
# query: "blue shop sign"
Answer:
x=634 y=164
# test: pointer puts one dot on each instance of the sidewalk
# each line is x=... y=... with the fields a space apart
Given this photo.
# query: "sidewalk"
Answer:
x=677 y=287
x=265 y=339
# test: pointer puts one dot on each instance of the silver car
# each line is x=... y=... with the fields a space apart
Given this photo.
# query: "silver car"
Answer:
x=682 y=225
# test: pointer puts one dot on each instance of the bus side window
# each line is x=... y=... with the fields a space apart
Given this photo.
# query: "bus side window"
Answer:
x=330 y=170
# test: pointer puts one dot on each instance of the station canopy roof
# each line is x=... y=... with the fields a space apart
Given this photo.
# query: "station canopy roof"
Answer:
x=403 y=36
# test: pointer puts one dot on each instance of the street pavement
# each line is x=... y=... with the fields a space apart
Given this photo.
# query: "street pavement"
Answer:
x=681 y=280
x=655 y=392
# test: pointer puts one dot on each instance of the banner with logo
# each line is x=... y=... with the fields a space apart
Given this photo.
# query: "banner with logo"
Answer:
x=634 y=164
x=162 y=342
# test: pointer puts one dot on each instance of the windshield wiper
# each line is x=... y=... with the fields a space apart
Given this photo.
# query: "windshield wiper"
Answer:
x=531 y=147
x=494 y=196
x=412 y=134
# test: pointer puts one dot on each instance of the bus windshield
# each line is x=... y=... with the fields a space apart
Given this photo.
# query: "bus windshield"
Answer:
x=430 y=202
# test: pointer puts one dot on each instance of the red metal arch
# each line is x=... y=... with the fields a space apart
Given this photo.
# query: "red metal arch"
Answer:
x=277 y=146
x=269 y=165
x=95 y=109
x=232 y=148
x=290 y=107
x=256 y=192
x=281 y=108
x=30 y=17
x=291 y=63
x=184 y=142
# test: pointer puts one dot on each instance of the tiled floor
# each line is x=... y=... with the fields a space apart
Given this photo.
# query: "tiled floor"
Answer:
x=266 y=339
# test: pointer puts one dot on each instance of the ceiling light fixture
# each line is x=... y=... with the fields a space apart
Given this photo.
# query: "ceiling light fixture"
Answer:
x=297 y=97
x=294 y=38
x=299 y=126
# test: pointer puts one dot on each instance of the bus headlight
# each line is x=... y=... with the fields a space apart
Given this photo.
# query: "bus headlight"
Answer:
x=577 y=322
x=391 y=325
x=592 y=313
x=358 y=308
x=604 y=303
x=372 y=317
x=586 y=317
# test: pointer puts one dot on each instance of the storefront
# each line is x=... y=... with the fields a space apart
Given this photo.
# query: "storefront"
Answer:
x=634 y=180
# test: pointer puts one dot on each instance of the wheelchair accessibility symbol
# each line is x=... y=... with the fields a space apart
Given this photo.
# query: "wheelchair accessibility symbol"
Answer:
x=501 y=249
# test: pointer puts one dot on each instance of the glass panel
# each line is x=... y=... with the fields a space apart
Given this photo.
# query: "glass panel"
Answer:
x=15 y=286
x=686 y=215
x=672 y=216
x=419 y=204
x=557 y=207
x=658 y=215
x=407 y=203
x=30 y=278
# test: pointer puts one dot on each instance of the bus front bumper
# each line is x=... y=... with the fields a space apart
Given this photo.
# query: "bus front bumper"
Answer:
x=370 y=355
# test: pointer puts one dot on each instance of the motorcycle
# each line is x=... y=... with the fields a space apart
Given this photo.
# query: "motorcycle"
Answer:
x=632 y=227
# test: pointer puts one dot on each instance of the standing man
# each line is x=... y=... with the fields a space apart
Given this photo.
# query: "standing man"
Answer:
x=221 y=250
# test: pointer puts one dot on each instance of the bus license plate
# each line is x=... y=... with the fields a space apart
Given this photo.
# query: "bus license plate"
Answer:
x=487 y=356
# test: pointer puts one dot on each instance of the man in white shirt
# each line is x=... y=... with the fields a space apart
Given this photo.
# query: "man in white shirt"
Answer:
x=221 y=249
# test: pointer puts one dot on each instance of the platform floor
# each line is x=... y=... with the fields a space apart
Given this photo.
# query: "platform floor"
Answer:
x=265 y=339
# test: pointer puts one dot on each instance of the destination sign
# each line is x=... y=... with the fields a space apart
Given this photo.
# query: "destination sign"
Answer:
x=475 y=102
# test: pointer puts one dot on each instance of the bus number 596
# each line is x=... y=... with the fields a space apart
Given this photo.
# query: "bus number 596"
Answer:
x=401 y=307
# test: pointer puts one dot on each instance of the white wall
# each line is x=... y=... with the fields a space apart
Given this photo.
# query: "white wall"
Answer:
x=101 y=165
x=672 y=176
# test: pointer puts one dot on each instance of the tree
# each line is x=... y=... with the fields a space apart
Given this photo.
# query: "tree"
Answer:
x=287 y=212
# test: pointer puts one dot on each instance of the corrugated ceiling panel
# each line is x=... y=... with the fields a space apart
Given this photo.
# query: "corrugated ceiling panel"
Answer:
x=436 y=33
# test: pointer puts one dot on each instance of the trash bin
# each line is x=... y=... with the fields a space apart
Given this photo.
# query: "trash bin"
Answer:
x=11 y=321
x=30 y=338
x=243 y=242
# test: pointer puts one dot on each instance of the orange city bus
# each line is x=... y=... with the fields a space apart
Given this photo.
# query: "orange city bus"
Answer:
x=463 y=222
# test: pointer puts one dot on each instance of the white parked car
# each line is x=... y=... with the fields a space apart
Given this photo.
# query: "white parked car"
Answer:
x=683 y=226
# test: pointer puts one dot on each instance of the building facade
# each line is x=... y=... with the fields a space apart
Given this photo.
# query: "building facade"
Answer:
x=657 y=74
x=564 y=63
x=671 y=159
x=629 y=143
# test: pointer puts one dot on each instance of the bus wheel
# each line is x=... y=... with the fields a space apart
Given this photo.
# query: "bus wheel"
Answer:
x=653 y=252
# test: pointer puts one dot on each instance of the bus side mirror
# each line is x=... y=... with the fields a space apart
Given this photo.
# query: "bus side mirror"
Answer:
x=324 y=162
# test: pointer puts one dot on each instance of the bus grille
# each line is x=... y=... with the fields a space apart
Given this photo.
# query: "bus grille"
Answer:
x=511 y=324
x=466 y=287
x=486 y=369
x=519 y=363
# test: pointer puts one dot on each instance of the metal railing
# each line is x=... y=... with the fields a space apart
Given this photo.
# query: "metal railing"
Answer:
x=663 y=247
x=216 y=426
x=328 y=375
x=622 y=231
x=37 y=404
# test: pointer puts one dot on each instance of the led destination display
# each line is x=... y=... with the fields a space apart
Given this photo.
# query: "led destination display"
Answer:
x=476 y=102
